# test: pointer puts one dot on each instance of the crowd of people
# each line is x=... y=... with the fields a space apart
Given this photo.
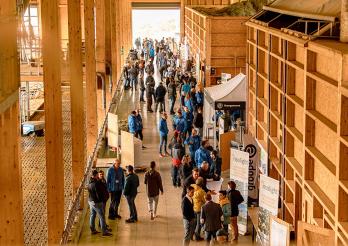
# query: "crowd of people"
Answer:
x=193 y=161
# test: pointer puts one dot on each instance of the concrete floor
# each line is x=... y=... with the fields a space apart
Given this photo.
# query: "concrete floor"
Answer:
x=167 y=229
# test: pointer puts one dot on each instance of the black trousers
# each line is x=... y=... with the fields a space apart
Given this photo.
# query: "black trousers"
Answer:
x=115 y=202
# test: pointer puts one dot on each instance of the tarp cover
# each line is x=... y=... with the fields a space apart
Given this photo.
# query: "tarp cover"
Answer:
x=314 y=9
x=233 y=90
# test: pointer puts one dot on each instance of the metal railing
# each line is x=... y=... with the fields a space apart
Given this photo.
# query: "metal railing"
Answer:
x=75 y=205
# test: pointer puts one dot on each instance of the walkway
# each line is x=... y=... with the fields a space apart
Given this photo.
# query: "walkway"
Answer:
x=167 y=229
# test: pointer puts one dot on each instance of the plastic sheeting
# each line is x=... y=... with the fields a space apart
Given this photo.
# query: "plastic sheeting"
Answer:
x=314 y=9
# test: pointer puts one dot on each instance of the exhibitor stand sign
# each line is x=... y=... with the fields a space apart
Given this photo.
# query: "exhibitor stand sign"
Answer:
x=268 y=202
x=251 y=146
x=239 y=173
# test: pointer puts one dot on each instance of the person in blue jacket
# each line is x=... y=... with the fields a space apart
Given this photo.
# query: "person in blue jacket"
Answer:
x=194 y=142
x=188 y=116
x=115 y=183
x=199 y=98
x=133 y=124
x=203 y=154
x=179 y=122
x=163 y=132
x=189 y=103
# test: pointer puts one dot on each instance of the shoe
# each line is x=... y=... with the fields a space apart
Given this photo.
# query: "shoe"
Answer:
x=109 y=229
x=161 y=156
x=107 y=233
x=198 y=238
x=167 y=154
x=95 y=232
x=130 y=221
x=152 y=217
x=111 y=218
x=118 y=216
x=143 y=147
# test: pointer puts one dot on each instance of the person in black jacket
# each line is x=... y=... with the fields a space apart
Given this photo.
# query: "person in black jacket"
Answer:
x=150 y=91
x=235 y=199
x=105 y=194
x=160 y=93
x=188 y=215
x=198 y=121
x=172 y=95
x=215 y=168
x=95 y=201
x=130 y=192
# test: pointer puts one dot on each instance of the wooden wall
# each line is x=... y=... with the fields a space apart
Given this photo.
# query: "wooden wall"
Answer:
x=298 y=111
x=220 y=41
x=210 y=2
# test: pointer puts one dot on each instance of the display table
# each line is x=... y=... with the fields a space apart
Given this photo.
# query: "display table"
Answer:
x=254 y=217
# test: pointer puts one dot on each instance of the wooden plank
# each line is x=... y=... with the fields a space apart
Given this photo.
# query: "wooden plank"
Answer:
x=11 y=202
x=76 y=94
x=51 y=53
x=91 y=85
x=314 y=235
x=100 y=35
x=114 y=46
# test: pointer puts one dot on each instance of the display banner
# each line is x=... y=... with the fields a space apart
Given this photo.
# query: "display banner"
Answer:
x=279 y=232
x=113 y=130
x=239 y=173
x=263 y=161
x=268 y=203
x=215 y=186
x=251 y=146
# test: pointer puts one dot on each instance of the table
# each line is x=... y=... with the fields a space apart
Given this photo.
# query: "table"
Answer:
x=253 y=213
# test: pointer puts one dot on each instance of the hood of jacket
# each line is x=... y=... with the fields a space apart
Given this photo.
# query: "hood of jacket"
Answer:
x=224 y=201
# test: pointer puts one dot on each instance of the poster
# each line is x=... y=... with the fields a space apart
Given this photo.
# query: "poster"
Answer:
x=215 y=186
x=239 y=173
x=198 y=68
x=279 y=232
x=221 y=126
x=113 y=130
x=130 y=149
x=263 y=161
x=268 y=203
x=251 y=146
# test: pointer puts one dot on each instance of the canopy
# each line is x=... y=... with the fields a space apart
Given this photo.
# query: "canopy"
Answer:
x=314 y=9
x=225 y=95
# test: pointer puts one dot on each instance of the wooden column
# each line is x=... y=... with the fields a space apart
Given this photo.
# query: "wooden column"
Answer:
x=76 y=93
x=51 y=53
x=108 y=48
x=182 y=19
x=11 y=202
x=91 y=84
x=344 y=21
x=100 y=35
x=114 y=46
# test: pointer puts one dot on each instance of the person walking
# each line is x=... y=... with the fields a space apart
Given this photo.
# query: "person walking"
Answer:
x=211 y=218
x=153 y=182
x=163 y=132
x=226 y=209
x=140 y=126
x=130 y=192
x=133 y=75
x=235 y=199
x=160 y=93
x=189 y=218
x=150 y=91
x=115 y=184
x=142 y=86
x=198 y=202
x=95 y=201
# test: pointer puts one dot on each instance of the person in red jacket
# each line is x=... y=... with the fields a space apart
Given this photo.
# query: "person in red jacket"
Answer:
x=178 y=152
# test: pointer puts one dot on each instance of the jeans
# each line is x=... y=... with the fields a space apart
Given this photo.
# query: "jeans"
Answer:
x=163 y=142
x=176 y=176
x=152 y=203
x=142 y=92
x=115 y=202
x=234 y=228
x=133 y=82
x=209 y=235
x=96 y=208
x=162 y=106
x=198 y=225
x=172 y=103
x=149 y=103
x=132 y=208
x=139 y=134
x=126 y=83
x=189 y=226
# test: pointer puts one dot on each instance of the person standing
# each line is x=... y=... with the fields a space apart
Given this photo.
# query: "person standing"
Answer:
x=153 y=182
x=160 y=93
x=198 y=202
x=179 y=123
x=163 y=132
x=198 y=121
x=130 y=192
x=203 y=154
x=142 y=85
x=140 y=127
x=194 y=142
x=95 y=201
x=171 y=95
x=133 y=124
x=150 y=91
x=188 y=215
x=235 y=199
x=115 y=184
x=215 y=168
x=226 y=209
x=211 y=218
x=186 y=167
x=199 y=97
x=177 y=154
x=133 y=74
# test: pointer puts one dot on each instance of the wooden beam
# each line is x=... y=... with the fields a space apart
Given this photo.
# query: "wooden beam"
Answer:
x=51 y=53
x=114 y=45
x=11 y=202
x=76 y=93
x=100 y=35
x=91 y=84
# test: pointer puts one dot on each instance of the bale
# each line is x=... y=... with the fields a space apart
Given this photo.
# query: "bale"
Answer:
x=236 y=9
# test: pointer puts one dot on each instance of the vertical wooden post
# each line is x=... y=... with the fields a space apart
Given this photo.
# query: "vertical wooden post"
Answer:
x=11 y=202
x=100 y=35
x=344 y=21
x=76 y=93
x=114 y=46
x=51 y=51
x=91 y=84
x=182 y=19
